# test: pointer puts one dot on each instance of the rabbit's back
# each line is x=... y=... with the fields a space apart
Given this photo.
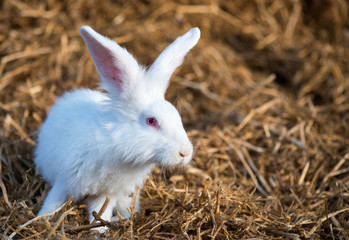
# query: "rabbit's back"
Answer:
x=69 y=130
x=73 y=147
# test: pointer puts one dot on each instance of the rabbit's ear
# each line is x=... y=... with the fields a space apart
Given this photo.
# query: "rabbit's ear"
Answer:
x=117 y=68
x=160 y=72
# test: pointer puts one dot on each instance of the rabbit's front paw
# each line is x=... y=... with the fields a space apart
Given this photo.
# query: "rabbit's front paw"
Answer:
x=100 y=230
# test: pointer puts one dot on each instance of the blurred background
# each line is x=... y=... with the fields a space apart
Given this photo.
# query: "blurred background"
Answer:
x=264 y=97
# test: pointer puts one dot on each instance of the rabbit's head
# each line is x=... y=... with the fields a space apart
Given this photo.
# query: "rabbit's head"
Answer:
x=148 y=127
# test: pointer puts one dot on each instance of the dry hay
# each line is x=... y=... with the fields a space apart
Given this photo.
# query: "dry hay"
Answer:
x=264 y=97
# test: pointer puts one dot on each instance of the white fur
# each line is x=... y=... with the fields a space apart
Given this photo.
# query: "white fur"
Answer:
x=96 y=144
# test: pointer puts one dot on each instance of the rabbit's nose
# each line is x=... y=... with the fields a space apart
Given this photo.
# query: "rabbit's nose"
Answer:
x=184 y=152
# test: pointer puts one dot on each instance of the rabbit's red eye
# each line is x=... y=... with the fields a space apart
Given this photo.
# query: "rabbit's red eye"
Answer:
x=151 y=121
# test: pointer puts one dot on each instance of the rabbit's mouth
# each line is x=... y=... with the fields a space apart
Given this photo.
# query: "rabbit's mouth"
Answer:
x=185 y=160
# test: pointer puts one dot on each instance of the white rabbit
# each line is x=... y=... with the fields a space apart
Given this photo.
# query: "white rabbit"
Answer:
x=96 y=144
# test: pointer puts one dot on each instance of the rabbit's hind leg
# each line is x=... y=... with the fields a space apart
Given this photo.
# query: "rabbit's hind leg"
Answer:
x=54 y=199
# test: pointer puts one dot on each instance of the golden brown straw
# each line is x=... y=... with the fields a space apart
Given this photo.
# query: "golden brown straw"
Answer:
x=264 y=97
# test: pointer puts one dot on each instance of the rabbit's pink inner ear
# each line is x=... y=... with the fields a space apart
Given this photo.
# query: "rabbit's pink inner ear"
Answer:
x=105 y=61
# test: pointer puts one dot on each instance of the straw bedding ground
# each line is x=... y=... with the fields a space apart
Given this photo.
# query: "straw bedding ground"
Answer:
x=264 y=97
